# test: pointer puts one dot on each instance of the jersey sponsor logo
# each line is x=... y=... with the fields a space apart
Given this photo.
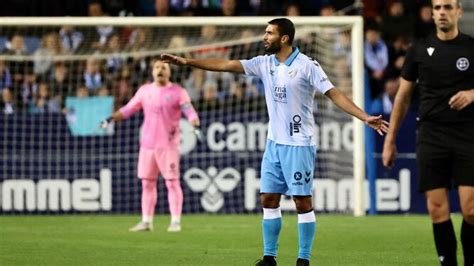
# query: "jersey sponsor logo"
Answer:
x=295 y=125
x=430 y=50
x=279 y=94
x=462 y=64
x=297 y=176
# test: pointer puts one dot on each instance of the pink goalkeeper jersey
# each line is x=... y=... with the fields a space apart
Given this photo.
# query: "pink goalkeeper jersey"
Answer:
x=162 y=109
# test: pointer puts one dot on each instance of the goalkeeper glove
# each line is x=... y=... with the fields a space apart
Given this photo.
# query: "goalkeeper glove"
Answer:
x=198 y=134
x=105 y=123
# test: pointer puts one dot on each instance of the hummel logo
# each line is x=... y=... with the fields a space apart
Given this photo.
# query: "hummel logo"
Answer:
x=308 y=173
x=430 y=50
x=272 y=72
x=307 y=180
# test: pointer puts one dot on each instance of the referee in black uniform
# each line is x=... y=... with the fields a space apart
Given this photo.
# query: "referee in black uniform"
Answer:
x=443 y=67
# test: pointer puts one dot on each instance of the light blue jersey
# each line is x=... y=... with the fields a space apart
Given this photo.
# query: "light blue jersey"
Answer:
x=290 y=88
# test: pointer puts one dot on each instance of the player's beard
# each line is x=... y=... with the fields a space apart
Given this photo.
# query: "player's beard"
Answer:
x=445 y=27
x=273 y=48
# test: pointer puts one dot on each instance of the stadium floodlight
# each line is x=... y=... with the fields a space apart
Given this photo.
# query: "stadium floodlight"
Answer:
x=125 y=44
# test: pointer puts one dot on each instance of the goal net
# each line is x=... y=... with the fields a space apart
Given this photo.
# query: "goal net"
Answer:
x=60 y=76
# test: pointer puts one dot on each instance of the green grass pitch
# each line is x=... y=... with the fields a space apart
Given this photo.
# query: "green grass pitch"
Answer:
x=213 y=240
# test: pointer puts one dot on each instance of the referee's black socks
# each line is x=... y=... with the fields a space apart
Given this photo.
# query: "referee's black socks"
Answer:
x=445 y=241
x=467 y=240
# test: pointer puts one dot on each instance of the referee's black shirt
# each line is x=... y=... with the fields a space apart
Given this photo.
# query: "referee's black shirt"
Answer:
x=442 y=68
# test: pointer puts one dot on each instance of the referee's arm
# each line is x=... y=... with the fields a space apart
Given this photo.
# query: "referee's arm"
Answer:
x=400 y=108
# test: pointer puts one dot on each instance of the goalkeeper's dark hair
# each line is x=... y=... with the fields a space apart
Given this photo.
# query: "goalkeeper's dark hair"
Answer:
x=285 y=27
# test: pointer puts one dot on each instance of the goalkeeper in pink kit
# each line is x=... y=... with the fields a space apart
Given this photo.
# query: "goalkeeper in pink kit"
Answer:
x=163 y=104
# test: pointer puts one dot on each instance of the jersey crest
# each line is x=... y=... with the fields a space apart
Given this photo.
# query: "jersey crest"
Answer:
x=462 y=63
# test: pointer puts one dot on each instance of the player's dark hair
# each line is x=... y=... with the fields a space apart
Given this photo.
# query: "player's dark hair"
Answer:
x=285 y=27
x=458 y=3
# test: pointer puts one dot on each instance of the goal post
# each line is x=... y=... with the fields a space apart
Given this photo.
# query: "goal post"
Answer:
x=336 y=42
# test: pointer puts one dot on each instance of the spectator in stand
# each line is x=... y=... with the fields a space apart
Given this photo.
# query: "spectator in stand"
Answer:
x=92 y=76
x=384 y=102
x=396 y=22
x=44 y=102
x=327 y=10
x=71 y=38
x=292 y=10
x=103 y=91
x=424 y=23
x=114 y=49
x=210 y=96
x=228 y=8
x=82 y=91
x=29 y=87
x=16 y=45
x=209 y=35
x=139 y=41
x=59 y=80
x=8 y=103
x=122 y=87
x=43 y=56
x=342 y=76
x=102 y=32
x=396 y=57
x=5 y=76
x=376 y=59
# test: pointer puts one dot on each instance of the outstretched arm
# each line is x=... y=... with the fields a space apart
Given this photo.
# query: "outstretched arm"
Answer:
x=348 y=106
x=400 y=108
x=214 y=64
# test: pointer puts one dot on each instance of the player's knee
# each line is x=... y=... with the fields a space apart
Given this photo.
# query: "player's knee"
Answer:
x=303 y=203
x=148 y=184
x=270 y=201
x=438 y=210
x=173 y=184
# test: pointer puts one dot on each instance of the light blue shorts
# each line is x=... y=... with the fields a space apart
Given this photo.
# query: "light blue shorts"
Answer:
x=287 y=169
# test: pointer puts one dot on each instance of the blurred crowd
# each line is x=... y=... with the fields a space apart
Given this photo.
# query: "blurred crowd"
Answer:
x=41 y=84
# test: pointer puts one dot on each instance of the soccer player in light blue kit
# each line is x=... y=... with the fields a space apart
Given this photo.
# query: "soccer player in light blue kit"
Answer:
x=291 y=80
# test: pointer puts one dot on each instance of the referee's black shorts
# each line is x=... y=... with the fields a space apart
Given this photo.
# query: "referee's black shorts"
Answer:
x=445 y=155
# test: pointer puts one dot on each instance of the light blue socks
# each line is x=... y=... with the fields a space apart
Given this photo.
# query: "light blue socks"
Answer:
x=306 y=232
x=271 y=227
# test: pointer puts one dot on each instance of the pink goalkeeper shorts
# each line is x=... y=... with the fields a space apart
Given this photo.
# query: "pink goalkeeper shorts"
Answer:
x=153 y=162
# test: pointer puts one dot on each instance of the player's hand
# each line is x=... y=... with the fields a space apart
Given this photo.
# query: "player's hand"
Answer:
x=173 y=59
x=105 y=123
x=378 y=124
x=461 y=99
x=198 y=134
x=389 y=153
